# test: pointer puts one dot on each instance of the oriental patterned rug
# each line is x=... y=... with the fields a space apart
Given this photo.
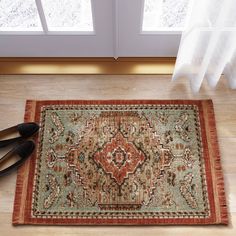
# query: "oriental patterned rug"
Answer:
x=135 y=162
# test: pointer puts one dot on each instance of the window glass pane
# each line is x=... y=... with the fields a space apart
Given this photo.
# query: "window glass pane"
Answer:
x=63 y=15
x=19 y=15
x=164 y=14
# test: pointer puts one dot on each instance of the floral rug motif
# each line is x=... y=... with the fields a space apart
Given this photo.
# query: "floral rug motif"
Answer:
x=122 y=162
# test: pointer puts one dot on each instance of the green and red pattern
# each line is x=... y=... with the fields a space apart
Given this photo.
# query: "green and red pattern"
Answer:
x=122 y=163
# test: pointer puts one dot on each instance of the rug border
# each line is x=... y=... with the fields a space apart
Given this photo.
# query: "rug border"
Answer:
x=21 y=213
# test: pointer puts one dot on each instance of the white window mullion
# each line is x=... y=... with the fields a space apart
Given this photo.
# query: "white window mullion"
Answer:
x=42 y=16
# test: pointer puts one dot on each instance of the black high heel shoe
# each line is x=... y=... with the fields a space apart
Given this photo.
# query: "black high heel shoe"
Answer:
x=25 y=130
x=23 y=150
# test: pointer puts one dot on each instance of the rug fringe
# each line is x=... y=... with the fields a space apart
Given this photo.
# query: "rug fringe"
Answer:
x=18 y=211
x=218 y=171
x=21 y=182
x=28 y=110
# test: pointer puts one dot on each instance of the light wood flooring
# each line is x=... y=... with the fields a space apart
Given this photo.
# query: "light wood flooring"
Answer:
x=15 y=89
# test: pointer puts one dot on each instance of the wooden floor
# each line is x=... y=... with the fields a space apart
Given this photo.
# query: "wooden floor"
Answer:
x=14 y=90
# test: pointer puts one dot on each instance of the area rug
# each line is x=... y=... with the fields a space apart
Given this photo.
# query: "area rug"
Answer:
x=140 y=162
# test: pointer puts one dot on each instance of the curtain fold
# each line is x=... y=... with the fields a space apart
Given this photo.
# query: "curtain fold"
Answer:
x=208 y=45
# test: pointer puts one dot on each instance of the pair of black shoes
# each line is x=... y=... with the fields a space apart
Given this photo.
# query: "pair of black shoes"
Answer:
x=24 y=147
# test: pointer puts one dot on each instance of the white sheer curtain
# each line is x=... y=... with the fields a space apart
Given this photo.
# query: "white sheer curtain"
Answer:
x=208 y=45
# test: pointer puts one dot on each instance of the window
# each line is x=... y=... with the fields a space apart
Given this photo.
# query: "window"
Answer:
x=46 y=15
x=19 y=15
x=169 y=15
x=68 y=15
